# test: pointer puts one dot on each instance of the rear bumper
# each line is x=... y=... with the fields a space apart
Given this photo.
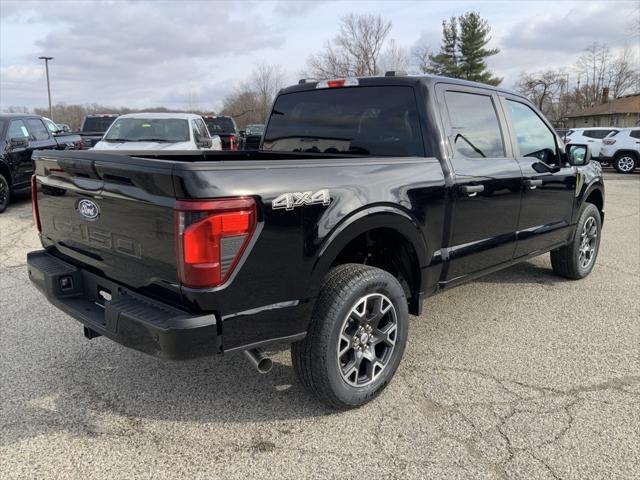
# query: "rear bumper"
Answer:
x=128 y=318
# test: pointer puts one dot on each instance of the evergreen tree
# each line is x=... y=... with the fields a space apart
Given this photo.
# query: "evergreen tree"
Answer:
x=474 y=37
x=463 y=50
x=446 y=61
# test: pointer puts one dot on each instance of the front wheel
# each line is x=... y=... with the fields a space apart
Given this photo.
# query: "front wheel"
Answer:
x=5 y=193
x=576 y=260
x=625 y=163
x=356 y=337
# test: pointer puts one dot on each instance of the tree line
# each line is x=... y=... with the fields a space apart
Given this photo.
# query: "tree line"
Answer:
x=363 y=46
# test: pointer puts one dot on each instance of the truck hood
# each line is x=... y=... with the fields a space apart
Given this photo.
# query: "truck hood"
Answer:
x=131 y=146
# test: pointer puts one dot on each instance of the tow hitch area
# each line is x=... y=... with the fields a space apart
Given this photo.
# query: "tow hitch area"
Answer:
x=90 y=333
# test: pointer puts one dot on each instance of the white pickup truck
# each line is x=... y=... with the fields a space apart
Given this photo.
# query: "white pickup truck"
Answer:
x=158 y=131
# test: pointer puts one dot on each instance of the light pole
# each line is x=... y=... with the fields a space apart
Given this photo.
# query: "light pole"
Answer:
x=46 y=67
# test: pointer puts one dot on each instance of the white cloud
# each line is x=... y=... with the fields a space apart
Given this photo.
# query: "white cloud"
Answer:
x=178 y=54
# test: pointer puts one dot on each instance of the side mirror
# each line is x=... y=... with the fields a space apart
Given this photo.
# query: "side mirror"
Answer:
x=578 y=155
x=19 y=142
x=204 y=142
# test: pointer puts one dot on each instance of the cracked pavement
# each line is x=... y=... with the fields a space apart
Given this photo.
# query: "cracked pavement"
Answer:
x=518 y=375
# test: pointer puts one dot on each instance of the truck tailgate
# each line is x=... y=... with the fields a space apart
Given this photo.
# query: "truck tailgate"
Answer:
x=105 y=213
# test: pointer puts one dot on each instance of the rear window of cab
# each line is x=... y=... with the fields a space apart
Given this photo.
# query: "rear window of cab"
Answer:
x=381 y=121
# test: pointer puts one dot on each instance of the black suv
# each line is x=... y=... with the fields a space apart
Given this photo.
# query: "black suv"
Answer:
x=225 y=127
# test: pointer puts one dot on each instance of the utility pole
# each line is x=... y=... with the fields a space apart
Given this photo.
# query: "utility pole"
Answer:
x=46 y=67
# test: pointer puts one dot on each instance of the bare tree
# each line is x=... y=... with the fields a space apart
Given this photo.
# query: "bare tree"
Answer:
x=266 y=81
x=545 y=89
x=621 y=76
x=355 y=51
x=251 y=101
x=394 y=57
x=421 y=55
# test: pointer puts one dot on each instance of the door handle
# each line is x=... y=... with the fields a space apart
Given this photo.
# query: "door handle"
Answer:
x=532 y=183
x=472 y=190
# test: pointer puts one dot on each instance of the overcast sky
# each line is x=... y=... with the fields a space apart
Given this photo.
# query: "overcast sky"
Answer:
x=181 y=54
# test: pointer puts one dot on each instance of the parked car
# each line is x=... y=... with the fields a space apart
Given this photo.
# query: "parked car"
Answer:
x=252 y=137
x=621 y=149
x=21 y=135
x=158 y=131
x=94 y=127
x=367 y=195
x=225 y=128
x=591 y=136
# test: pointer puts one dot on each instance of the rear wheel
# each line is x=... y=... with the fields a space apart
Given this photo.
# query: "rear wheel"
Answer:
x=5 y=193
x=356 y=338
x=625 y=162
x=577 y=259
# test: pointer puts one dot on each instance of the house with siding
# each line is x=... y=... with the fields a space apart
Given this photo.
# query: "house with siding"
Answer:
x=618 y=112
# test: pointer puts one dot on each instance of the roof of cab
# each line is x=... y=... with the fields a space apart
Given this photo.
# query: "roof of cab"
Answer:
x=163 y=115
x=401 y=79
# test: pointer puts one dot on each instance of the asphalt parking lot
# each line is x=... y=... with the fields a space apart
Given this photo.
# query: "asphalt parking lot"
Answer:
x=519 y=375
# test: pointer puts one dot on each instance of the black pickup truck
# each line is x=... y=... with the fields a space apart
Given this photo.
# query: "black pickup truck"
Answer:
x=20 y=135
x=94 y=127
x=367 y=195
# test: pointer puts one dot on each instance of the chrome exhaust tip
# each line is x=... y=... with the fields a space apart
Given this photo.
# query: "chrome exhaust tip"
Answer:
x=259 y=359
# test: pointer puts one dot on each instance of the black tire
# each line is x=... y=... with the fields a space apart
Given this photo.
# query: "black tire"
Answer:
x=316 y=359
x=5 y=193
x=567 y=261
x=625 y=162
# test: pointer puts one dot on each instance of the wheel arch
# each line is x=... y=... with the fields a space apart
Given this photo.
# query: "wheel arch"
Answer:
x=365 y=235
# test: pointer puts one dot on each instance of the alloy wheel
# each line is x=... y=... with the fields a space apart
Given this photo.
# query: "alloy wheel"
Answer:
x=367 y=340
x=626 y=164
x=588 y=242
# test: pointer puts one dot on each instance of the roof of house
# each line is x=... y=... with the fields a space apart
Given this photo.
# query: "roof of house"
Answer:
x=626 y=104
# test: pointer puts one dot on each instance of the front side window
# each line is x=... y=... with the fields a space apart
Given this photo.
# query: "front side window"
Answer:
x=37 y=129
x=148 y=130
x=474 y=124
x=534 y=137
x=17 y=129
x=52 y=127
x=379 y=121
x=200 y=131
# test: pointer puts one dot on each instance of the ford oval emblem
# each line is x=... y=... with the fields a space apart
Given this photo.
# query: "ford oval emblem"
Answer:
x=88 y=209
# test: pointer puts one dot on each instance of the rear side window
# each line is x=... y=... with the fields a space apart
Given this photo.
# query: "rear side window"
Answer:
x=474 y=124
x=597 y=134
x=534 y=137
x=634 y=133
x=97 y=124
x=17 y=129
x=37 y=129
x=220 y=125
x=379 y=121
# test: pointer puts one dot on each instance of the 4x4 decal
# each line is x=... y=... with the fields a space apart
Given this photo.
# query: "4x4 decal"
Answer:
x=289 y=201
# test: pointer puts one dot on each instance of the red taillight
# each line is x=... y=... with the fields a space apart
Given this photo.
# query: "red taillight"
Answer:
x=211 y=236
x=81 y=145
x=34 y=203
x=232 y=142
x=608 y=141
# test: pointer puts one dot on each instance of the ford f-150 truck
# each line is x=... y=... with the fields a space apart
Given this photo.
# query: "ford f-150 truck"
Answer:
x=367 y=195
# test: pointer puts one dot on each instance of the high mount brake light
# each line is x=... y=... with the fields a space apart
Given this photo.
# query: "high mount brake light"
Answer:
x=211 y=236
x=34 y=203
x=338 y=82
